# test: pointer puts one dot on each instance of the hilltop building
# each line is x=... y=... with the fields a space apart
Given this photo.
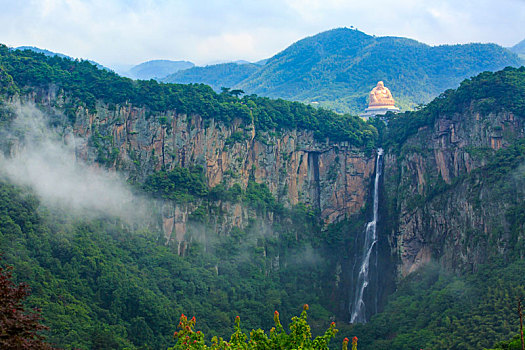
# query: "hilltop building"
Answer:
x=380 y=102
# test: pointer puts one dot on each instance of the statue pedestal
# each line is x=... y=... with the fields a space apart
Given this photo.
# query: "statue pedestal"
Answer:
x=373 y=112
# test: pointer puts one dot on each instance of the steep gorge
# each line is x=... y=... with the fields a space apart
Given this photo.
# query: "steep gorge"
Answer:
x=449 y=192
x=434 y=209
x=331 y=177
x=431 y=206
x=452 y=190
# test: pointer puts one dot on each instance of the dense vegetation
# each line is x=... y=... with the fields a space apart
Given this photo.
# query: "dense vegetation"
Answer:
x=338 y=68
x=19 y=328
x=300 y=336
x=513 y=344
x=102 y=284
x=52 y=54
x=99 y=283
x=179 y=184
x=486 y=93
x=433 y=309
x=26 y=71
x=189 y=185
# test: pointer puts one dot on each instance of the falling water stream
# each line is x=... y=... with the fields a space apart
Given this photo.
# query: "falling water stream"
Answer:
x=358 y=307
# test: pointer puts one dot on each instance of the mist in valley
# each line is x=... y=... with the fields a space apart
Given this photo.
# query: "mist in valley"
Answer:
x=45 y=159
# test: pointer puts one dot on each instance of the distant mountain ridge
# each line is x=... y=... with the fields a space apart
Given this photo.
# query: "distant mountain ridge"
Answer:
x=337 y=68
x=157 y=69
x=43 y=51
x=519 y=48
x=51 y=54
x=216 y=76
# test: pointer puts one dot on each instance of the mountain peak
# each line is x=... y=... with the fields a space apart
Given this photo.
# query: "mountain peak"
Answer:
x=519 y=48
x=156 y=69
x=338 y=67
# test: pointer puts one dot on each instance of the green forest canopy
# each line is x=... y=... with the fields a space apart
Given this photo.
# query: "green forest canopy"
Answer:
x=485 y=93
x=86 y=84
x=101 y=284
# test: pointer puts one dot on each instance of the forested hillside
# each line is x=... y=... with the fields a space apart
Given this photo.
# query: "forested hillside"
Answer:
x=23 y=71
x=101 y=285
x=100 y=280
x=52 y=54
x=254 y=205
x=455 y=201
x=338 y=68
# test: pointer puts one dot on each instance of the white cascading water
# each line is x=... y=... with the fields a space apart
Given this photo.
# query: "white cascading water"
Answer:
x=358 y=314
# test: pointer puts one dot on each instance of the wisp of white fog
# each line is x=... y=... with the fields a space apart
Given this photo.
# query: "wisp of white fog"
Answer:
x=46 y=162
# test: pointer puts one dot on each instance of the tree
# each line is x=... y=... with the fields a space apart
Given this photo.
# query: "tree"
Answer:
x=299 y=337
x=18 y=329
x=236 y=92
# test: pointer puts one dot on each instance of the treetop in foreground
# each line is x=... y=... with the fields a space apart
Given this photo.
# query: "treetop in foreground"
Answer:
x=299 y=337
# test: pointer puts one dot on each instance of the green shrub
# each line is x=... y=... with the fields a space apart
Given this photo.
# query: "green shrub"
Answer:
x=299 y=337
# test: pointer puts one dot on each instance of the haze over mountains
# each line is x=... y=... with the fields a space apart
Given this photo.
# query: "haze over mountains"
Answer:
x=216 y=76
x=156 y=69
x=519 y=48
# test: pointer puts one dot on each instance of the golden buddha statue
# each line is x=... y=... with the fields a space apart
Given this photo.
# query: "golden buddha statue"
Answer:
x=380 y=97
x=380 y=102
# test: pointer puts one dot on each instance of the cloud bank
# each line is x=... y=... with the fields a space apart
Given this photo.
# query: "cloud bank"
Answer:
x=45 y=161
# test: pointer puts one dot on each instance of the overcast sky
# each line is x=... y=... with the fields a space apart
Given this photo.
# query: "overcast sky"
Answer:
x=202 y=31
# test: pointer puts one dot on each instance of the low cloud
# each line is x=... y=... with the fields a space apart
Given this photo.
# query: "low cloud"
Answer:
x=45 y=160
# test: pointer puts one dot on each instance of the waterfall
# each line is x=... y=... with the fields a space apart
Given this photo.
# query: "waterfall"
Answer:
x=358 y=308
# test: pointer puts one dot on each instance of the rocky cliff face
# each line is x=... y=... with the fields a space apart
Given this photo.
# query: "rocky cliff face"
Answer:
x=332 y=178
x=435 y=209
x=443 y=209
